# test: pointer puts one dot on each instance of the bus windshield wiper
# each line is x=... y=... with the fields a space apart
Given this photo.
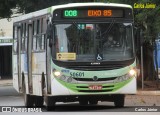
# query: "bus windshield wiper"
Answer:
x=109 y=28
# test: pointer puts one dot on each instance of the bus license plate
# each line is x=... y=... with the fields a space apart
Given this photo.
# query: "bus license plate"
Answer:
x=95 y=87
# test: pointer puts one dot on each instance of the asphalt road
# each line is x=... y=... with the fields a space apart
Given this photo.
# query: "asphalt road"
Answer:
x=9 y=97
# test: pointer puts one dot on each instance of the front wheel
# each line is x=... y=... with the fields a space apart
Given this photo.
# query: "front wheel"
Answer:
x=83 y=101
x=93 y=102
x=119 y=100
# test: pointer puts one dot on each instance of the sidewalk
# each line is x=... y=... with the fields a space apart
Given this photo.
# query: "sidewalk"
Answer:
x=8 y=82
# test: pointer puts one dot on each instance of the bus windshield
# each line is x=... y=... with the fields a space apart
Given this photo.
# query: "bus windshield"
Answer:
x=88 y=42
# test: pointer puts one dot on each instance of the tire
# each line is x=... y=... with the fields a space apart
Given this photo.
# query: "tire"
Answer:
x=83 y=101
x=93 y=102
x=119 y=100
x=28 y=99
x=39 y=100
x=50 y=103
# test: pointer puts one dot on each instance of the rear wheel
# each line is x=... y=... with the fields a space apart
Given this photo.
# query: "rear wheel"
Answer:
x=119 y=100
x=28 y=99
x=39 y=100
x=50 y=103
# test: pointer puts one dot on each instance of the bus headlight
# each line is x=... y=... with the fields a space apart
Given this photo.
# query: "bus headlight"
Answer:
x=69 y=79
x=131 y=73
x=63 y=77
x=56 y=73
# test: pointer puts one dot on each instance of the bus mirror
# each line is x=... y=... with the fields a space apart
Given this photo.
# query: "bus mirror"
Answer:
x=49 y=31
x=50 y=42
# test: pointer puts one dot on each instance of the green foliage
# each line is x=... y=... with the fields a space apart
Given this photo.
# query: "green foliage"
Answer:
x=27 y=6
x=6 y=7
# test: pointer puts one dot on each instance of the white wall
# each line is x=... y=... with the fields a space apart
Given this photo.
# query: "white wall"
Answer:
x=6 y=27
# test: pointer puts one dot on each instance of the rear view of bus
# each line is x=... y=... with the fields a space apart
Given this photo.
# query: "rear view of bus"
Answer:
x=93 y=57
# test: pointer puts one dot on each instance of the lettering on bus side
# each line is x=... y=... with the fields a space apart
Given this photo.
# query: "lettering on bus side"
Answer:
x=77 y=74
x=65 y=71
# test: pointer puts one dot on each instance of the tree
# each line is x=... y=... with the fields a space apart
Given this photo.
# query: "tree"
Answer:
x=6 y=7
x=27 y=6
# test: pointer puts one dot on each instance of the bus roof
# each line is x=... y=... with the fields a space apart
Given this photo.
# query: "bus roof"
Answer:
x=31 y=15
x=90 y=4
x=51 y=9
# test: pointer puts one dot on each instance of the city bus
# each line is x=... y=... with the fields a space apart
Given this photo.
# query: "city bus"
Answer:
x=77 y=52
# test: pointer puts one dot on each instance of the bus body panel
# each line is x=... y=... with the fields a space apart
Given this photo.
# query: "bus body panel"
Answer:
x=130 y=88
x=15 y=73
x=60 y=90
x=127 y=86
x=38 y=67
x=37 y=86
x=38 y=63
x=24 y=65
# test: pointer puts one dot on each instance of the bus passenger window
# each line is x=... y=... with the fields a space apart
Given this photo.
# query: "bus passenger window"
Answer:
x=23 y=37
x=34 y=43
x=15 y=37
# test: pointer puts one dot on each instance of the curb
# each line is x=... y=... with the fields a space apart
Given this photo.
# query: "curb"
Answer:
x=149 y=93
x=7 y=84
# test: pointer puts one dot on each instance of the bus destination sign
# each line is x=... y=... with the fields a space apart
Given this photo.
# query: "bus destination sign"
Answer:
x=99 y=13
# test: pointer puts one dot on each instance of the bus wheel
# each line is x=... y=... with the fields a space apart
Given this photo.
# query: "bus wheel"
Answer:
x=28 y=99
x=50 y=103
x=83 y=101
x=39 y=100
x=93 y=102
x=119 y=100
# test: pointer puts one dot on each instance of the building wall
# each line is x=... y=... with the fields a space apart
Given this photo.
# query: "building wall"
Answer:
x=6 y=27
x=6 y=62
x=6 y=30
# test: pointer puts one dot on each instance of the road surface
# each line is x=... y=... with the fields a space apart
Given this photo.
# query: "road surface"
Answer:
x=9 y=97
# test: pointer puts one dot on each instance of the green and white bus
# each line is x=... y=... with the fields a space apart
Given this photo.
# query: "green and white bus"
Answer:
x=75 y=52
